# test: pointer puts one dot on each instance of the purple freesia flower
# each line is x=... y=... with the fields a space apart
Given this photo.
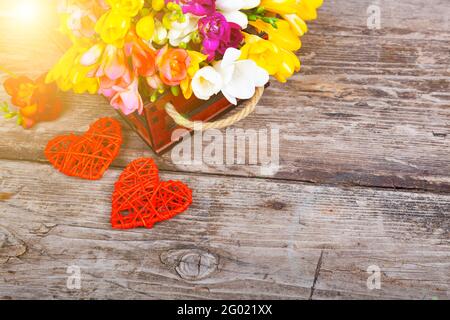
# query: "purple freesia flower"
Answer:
x=218 y=34
x=196 y=7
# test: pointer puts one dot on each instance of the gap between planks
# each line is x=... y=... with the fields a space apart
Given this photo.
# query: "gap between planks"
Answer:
x=345 y=185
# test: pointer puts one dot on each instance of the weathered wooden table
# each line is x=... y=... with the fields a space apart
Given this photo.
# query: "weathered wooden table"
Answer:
x=364 y=181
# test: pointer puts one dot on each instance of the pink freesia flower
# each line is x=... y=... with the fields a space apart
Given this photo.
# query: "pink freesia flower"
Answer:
x=155 y=82
x=128 y=100
x=196 y=7
x=218 y=35
x=107 y=85
x=172 y=65
x=142 y=56
x=108 y=61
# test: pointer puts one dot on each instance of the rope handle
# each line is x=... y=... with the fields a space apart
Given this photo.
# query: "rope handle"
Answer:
x=248 y=107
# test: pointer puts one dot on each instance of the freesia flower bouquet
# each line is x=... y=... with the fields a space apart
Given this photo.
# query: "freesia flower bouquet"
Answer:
x=134 y=51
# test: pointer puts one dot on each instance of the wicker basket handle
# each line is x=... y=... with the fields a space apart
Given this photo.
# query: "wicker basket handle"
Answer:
x=248 y=107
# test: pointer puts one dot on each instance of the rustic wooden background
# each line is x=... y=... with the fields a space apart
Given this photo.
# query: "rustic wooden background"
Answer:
x=364 y=180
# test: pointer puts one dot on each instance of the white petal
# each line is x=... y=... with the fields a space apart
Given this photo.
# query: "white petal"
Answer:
x=232 y=99
x=241 y=89
x=240 y=77
x=180 y=25
x=242 y=85
x=231 y=55
x=91 y=56
x=206 y=83
x=229 y=5
x=226 y=72
x=261 y=76
x=250 y=4
x=237 y=17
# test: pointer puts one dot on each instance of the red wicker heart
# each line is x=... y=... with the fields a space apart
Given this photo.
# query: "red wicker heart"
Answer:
x=141 y=200
x=87 y=156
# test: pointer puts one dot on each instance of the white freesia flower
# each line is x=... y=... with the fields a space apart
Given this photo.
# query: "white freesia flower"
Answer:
x=182 y=31
x=231 y=5
x=239 y=77
x=231 y=10
x=206 y=83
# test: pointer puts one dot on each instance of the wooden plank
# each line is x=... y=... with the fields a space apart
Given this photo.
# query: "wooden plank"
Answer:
x=242 y=238
x=402 y=19
x=370 y=108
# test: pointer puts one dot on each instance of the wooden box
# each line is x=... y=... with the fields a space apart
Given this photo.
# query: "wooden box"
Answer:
x=155 y=126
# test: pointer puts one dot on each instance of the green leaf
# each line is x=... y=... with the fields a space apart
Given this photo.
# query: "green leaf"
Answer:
x=260 y=11
x=19 y=120
x=154 y=96
x=4 y=107
x=9 y=115
x=175 y=91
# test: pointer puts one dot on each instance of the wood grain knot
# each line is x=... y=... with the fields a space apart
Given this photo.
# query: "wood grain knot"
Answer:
x=10 y=246
x=4 y=196
x=191 y=264
x=275 y=205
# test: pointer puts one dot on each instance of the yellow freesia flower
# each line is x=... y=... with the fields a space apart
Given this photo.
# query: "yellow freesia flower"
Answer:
x=282 y=36
x=128 y=8
x=305 y=9
x=69 y=74
x=145 y=28
x=113 y=27
x=281 y=6
x=308 y=9
x=158 y=5
x=290 y=64
x=298 y=25
x=196 y=58
x=265 y=53
x=277 y=61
